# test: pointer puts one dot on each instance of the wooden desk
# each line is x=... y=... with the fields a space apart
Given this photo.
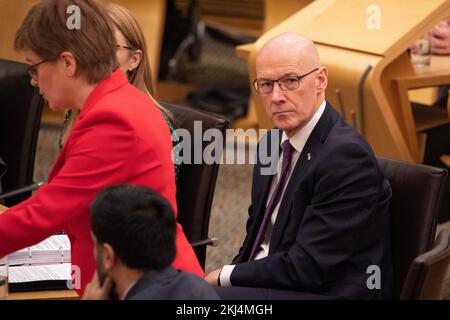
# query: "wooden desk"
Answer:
x=419 y=119
x=42 y=295
x=429 y=95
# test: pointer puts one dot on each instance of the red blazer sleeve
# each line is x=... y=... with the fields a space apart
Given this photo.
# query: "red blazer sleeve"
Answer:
x=98 y=156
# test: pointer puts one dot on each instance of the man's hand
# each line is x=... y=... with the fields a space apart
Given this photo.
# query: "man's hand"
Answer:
x=94 y=291
x=213 y=277
x=440 y=38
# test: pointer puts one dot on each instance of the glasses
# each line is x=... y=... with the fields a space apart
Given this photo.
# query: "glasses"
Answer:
x=32 y=70
x=285 y=83
x=126 y=47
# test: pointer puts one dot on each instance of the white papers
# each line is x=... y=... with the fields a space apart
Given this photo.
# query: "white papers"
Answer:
x=21 y=274
x=55 y=249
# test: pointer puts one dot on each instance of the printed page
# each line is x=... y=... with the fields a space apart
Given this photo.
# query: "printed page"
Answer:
x=20 y=274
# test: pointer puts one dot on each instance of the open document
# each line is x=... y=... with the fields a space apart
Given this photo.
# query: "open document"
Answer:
x=44 y=266
x=43 y=277
x=39 y=273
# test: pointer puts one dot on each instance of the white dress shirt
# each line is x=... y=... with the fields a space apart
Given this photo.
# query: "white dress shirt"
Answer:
x=298 y=141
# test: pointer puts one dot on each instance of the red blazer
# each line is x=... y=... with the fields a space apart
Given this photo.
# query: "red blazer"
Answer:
x=119 y=137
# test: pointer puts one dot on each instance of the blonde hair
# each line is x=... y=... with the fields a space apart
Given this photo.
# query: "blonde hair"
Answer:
x=124 y=21
x=140 y=77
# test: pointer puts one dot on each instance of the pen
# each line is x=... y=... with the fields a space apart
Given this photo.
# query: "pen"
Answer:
x=31 y=187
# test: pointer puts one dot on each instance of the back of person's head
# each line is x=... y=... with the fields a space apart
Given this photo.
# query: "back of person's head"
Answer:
x=47 y=31
x=127 y=24
x=138 y=223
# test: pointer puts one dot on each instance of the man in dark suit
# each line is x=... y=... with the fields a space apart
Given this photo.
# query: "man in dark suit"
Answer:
x=133 y=229
x=319 y=227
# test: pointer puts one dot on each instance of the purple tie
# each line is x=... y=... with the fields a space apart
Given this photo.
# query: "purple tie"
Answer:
x=287 y=155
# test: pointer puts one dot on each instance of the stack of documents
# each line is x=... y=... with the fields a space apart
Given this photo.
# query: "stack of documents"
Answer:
x=44 y=266
x=55 y=249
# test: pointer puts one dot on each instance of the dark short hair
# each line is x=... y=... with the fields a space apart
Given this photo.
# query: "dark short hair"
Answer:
x=138 y=223
x=44 y=31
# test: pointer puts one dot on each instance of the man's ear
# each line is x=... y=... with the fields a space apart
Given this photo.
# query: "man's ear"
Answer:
x=109 y=256
x=69 y=63
x=322 y=79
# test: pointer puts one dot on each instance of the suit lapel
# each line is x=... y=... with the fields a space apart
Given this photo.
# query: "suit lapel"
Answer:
x=306 y=159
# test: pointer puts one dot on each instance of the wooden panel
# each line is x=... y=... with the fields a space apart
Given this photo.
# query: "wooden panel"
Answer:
x=429 y=117
x=275 y=11
x=12 y=13
x=44 y=295
x=414 y=121
x=253 y=16
x=343 y=23
x=399 y=18
x=424 y=96
x=250 y=9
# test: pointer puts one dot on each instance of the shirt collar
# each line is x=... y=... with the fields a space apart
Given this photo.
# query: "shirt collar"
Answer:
x=299 y=139
x=128 y=289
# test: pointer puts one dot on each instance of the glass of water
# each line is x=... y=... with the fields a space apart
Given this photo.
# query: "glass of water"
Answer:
x=421 y=52
x=3 y=277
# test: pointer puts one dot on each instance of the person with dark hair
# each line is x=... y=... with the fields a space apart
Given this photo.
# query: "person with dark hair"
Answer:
x=110 y=143
x=133 y=229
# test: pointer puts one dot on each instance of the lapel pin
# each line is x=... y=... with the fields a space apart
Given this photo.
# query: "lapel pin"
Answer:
x=308 y=156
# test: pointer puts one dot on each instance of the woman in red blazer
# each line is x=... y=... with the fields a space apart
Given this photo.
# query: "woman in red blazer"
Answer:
x=110 y=143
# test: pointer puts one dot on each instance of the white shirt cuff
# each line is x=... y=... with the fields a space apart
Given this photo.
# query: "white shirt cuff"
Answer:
x=225 y=275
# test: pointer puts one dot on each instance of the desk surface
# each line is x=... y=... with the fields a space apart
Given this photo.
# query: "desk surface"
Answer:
x=42 y=295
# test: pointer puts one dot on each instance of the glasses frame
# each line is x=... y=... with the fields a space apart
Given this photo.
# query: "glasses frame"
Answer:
x=125 y=47
x=32 y=70
x=299 y=78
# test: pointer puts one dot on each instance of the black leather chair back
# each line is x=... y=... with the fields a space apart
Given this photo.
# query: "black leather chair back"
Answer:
x=196 y=182
x=417 y=194
x=428 y=272
x=20 y=117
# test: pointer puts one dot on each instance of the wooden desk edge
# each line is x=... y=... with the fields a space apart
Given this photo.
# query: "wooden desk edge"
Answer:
x=243 y=51
x=44 y=295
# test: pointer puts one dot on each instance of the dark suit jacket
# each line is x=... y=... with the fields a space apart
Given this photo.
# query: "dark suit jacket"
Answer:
x=332 y=224
x=3 y=169
x=171 y=284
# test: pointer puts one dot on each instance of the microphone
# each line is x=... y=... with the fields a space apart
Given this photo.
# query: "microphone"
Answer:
x=28 y=188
